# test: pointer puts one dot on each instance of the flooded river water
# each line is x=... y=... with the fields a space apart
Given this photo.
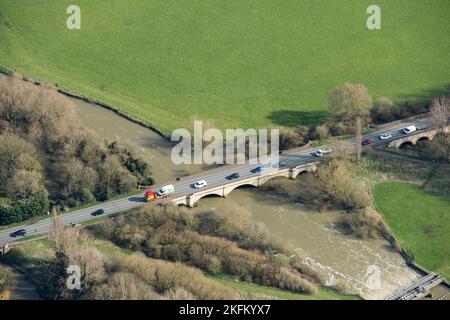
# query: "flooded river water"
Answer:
x=312 y=234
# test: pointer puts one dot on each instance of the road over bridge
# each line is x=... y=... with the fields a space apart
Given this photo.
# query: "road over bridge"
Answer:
x=290 y=164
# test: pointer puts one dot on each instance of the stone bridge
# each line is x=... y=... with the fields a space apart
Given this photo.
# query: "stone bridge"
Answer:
x=412 y=139
x=256 y=181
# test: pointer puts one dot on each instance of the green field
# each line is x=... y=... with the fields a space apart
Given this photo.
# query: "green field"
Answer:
x=253 y=63
x=420 y=220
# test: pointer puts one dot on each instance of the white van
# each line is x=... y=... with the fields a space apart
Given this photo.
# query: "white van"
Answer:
x=166 y=190
x=409 y=129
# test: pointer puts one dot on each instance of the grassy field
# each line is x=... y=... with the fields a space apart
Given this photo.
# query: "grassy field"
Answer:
x=324 y=293
x=254 y=63
x=420 y=220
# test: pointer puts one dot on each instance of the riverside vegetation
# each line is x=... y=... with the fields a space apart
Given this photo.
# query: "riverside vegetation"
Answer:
x=50 y=161
x=176 y=253
x=216 y=243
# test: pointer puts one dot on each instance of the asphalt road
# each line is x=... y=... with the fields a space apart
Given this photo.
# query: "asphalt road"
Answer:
x=214 y=178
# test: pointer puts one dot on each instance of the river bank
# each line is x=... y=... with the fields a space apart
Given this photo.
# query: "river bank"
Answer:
x=312 y=234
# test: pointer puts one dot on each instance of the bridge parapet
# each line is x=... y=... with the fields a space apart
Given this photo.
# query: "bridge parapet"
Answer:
x=225 y=189
x=414 y=138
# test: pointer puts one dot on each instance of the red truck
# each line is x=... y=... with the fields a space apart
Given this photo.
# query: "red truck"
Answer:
x=162 y=193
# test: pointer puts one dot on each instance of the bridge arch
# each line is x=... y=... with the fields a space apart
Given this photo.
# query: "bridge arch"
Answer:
x=194 y=198
x=406 y=144
x=302 y=173
x=246 y=184
x=423 y=139
x=209 y=195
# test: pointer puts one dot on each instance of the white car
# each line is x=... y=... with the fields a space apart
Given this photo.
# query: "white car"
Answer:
x=409 y=129
x=322 y=152
x=385 y=136
x=200 y=184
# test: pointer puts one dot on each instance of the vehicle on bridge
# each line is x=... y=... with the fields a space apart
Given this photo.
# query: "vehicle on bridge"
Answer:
x=385 y=136
x=233 y=176
x=200 y=184
x=409 y=129
x=162 y=193
x=256 y=170
x=322 y=152
x=18 y=233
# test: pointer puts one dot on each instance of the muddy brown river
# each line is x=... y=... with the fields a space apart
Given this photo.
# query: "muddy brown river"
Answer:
x=369 y=266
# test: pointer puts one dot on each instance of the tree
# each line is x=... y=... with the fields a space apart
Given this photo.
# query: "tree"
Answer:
x=334 y=181
x=358 y=138
x=74 y=177
x=72 y=248
x=351 y=102
x=12 y=147
x=26 y=185
x=289 y=140
x=440 y=113
x=383 y=110
x=6 y=277
x=322 y=132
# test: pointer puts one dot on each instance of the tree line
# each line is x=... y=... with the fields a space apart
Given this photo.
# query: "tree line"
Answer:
x=49 y=160
x=353 y=101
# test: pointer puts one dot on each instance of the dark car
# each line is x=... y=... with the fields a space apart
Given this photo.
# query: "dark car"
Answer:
x=278 y=165
x=367 y=142
x=256 y=170
x=233 y=176
x=98 y=212
x=19 y=233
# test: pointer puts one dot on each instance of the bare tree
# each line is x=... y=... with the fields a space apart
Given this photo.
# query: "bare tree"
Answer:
x=440 y=113
x=56 y=234
x=358 y=138
x=6 y=277
x=351 y=102
x=12 y=147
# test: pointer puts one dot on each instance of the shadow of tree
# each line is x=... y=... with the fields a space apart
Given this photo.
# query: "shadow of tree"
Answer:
x=292 y=118
x=427 y=96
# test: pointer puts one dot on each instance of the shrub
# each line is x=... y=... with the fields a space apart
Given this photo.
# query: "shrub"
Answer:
x=384 y=110
x=289 y=140
x=322 y=132
x=164 y=233
x=366 y=224
x=171 y=252
x=124 y=286
x=165 y=277
x=5 y=70
x=340 y=128
x=284 y=278
x=6 y=277
x=23 y=210
x=307 y=272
